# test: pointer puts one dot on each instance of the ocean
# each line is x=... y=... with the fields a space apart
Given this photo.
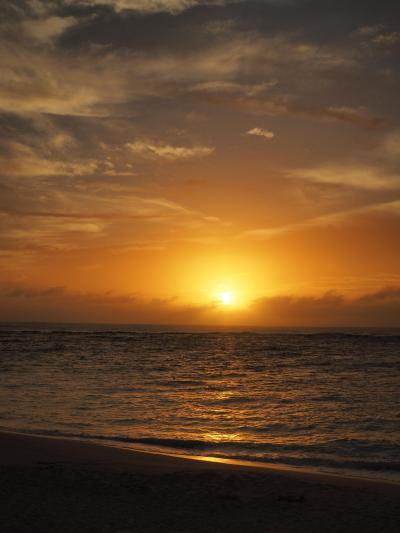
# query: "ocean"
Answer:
x=320 y=399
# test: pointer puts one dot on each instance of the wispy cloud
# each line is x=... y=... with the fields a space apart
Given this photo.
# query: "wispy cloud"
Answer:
x=363 y=177
x=154 y=6
x=57 y=215
x=154 y=150
x=287 y=105
x=334 y=219
x=24 y=160
x=378 y=35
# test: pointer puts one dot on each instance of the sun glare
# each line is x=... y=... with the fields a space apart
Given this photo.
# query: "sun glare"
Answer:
x=226 y=298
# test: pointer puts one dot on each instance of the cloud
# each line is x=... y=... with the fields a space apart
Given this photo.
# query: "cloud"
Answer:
x=29 y=293
x=152 y=150
x=101 y=204
x=50 y=214
x=231 y=87
x=239 y=68
x=287 y=105
x=372 y=178
x=387 y=39
x=45 y=146
x=44 y=83
x=331 y=309
x=60 y=303
x=332 y=219
x=24 y=160
x=377 y=35
x=154 y=6
x=368 y=31
x=58 y=78
x=390 y=146
x=260 y=132
x=387 y=294
x=381 y=308
x=359 y=116
x=108 y=297
x=38 y=81
x=335 y=219
x=47 y=29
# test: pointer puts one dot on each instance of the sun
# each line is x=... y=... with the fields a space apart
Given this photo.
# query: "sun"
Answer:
x=226 y=297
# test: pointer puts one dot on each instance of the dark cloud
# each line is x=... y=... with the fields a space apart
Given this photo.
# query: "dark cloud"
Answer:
x=138 y=57
x=381 y=308
x=388 y=295
x=60 y=304
x=31 y=293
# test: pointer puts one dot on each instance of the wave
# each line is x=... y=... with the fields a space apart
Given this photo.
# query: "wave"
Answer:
x=244 y=451
x=316 y=462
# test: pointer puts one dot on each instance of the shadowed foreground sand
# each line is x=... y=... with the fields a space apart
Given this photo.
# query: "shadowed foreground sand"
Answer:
x=59 y=485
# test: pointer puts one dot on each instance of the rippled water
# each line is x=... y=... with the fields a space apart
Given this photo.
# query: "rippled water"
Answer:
x=305 y=398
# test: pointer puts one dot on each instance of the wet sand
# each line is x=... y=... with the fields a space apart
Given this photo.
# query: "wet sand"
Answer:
x=61 y=485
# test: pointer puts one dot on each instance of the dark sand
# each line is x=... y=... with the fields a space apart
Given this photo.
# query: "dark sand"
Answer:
x=59 y=485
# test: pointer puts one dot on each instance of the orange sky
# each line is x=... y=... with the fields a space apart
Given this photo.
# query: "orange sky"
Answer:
x=156 y=155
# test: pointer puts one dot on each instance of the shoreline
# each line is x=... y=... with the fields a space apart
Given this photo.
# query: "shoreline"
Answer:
x=298 y=471
x=58 y=484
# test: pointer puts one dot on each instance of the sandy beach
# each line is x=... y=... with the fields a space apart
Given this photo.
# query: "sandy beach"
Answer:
x=62 y=485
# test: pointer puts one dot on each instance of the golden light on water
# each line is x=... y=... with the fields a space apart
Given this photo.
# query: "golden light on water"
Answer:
x=222 y=437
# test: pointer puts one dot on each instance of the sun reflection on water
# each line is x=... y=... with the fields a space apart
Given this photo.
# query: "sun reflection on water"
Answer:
x=221 y=437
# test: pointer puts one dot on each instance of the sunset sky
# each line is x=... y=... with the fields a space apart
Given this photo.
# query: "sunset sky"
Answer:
x=200 y=162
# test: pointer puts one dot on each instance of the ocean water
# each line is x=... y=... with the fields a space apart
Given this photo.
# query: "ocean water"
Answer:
x=325 y=399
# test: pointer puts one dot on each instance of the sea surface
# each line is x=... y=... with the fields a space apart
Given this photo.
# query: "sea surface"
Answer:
x=321 y=399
